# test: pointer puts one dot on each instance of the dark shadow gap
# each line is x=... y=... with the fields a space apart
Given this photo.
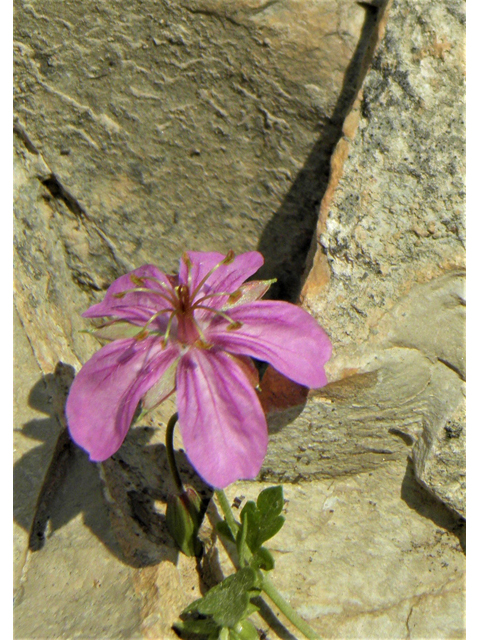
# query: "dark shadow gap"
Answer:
x=286 y=239
x=425 y=504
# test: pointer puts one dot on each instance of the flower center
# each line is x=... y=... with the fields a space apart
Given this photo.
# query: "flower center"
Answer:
x=184 y=302
x=183 y=306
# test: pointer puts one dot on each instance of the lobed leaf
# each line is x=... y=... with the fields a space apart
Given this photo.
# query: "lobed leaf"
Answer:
x=228 y=602
x=264 y=520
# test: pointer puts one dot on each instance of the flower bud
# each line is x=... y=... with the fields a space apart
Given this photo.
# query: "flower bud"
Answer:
x=184 y=520
x=245 y=630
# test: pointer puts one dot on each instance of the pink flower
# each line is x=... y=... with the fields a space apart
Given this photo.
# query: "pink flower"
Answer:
x=196 y=333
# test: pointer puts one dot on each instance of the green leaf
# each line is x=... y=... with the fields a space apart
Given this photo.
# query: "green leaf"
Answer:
x=183 y=521
x=270 y=501
x=225 y=531
x=264 y=520
x=228 y=602
x=263 y=559
x=252 y=608
x=204 y=626
x=245 y=630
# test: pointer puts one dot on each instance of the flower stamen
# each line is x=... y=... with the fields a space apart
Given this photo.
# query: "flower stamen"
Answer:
x=214 y=295
x=234 y=324
x=122 y=294
x=169 y=326
x=140 y=281
x=229 y=258
x=155 y=316
x=188 y=264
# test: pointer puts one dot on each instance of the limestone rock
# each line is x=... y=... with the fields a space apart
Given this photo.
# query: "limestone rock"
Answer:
x=172 y=126
x=78 y=584
x=142 y=130
x=439 y=458
x=387 y=262
x=393 y=214
x=364 y=421
x=364 y=556
x=146 y=128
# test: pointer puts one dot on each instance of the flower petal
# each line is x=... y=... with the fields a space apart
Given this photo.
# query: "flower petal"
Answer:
x=106 y=391
x=162 y=389
x=280 y=333
x=222 y=423
x=136 y=307
x=225 y=279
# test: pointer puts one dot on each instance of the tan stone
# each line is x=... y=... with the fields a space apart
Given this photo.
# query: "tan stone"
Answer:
x=361 y=557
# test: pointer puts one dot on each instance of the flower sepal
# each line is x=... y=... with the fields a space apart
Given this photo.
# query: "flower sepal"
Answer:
x=184 y=517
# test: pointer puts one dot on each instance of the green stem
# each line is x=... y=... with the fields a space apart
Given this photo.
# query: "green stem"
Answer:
x=171 y=453
x=287 y=610
x=267 y=586
x=227 y=511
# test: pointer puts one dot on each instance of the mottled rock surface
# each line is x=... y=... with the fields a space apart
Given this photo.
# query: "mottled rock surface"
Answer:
x=338 y=532
x=393 y=215
x=388 y=258
x=175 y=125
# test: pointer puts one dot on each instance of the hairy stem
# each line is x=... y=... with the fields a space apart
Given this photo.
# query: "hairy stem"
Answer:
x=227 y=511
x=287 y=610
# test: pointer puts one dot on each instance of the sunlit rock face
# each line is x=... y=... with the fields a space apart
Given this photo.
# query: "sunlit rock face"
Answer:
x=199 y=125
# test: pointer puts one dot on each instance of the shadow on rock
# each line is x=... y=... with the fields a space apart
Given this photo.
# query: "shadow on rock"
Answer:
x=424 y=503
x=286 y=239
x=127 y=515
x=139 y=483
x=39 y=473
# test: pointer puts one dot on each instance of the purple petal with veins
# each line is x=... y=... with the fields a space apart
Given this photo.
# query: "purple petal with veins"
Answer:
x=222 y=423
x=280 y=333
x=107 y=390
x=196 y=331
x=225 y=279
x=136 y=307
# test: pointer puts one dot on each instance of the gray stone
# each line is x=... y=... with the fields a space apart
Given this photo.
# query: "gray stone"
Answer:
x=168 y=126
x=34 y=437
x=393 y=213
x=364 y=421
x=72 y=587
x=387 y=262
x=439 y=457
x=142 y=130
x=431 y=318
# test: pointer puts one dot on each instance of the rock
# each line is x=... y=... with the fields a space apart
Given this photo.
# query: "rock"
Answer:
x=393 y=214
x=431 y=318
x=34 y=436
x=139 y=134
x=364 y=421
x=189 y=125
x=79 y=583
x=387 y=262
x=369 y=555
x=210 y=125
x=439 y=458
